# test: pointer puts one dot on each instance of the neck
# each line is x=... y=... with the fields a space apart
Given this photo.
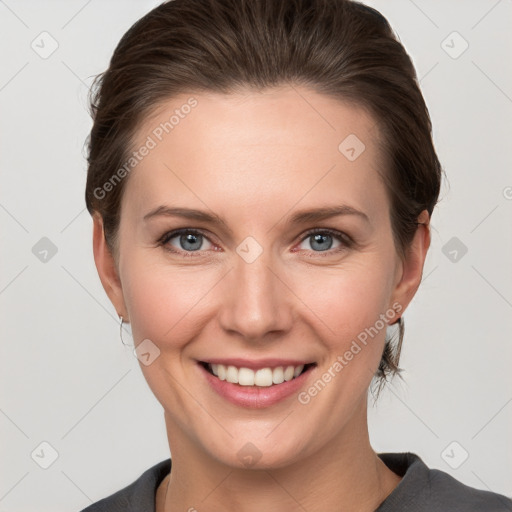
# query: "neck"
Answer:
x=346 y=470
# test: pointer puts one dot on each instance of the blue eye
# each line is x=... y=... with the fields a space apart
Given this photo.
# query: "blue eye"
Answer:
x=190 y=242
x=322 y=240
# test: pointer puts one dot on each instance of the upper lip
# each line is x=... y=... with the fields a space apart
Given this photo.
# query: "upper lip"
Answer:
x=256 y=364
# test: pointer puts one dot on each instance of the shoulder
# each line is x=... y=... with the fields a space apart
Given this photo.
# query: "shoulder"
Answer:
x=446 y=491
x=139 y=495
x=425 y=489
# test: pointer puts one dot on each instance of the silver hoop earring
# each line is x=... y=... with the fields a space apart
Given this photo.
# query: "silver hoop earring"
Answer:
x=121 y=330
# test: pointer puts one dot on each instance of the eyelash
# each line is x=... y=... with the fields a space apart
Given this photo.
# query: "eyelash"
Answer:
x=346 y=240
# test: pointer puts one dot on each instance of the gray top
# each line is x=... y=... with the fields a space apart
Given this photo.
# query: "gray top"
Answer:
x=420 y=490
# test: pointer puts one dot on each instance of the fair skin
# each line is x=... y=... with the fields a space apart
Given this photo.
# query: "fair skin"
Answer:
x=255 y=159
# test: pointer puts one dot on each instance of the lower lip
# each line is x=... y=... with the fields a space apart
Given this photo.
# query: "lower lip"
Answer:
x=256 y=397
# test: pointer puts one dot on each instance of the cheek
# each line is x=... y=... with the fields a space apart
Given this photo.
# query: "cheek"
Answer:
x=163 y=300
x=349 y=306
x=347 y=299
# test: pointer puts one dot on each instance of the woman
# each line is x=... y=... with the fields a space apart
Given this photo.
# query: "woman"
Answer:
x=261 y=180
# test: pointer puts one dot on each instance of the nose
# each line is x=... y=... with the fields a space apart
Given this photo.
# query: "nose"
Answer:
x=256 y=302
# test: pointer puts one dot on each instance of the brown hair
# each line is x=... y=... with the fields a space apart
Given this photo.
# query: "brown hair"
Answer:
x=339 y=48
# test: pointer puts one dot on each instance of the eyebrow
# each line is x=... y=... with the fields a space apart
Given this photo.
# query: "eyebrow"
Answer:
x=300 y=217
x=186 y=213
x=327 y=212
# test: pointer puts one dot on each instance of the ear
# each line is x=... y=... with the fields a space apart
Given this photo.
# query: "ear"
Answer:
x=410 y=270
x=107 y=268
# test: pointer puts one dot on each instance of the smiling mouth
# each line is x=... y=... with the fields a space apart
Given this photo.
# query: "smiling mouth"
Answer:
x=263 y=377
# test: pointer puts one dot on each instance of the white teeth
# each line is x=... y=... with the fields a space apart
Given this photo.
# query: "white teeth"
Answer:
x=278 y=375
x=263 y=377
x=221 y=372
x=288 y=373
x=245 y=377
x=297 y=370
x=232 y=374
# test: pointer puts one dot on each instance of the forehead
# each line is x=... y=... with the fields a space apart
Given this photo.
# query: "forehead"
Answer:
x=254 y=146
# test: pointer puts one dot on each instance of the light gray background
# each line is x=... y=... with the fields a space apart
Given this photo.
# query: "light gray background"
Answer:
x=68 y=381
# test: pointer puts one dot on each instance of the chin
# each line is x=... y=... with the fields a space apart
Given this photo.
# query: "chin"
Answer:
x=258 y=453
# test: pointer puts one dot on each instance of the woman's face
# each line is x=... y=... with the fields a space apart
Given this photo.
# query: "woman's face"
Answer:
x=258 y=285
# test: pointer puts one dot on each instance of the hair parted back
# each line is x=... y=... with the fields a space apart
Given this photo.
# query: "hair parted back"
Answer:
x=339 y=48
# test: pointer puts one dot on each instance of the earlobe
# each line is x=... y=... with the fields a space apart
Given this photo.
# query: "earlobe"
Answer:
x=106 y=267
x=412 y=267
